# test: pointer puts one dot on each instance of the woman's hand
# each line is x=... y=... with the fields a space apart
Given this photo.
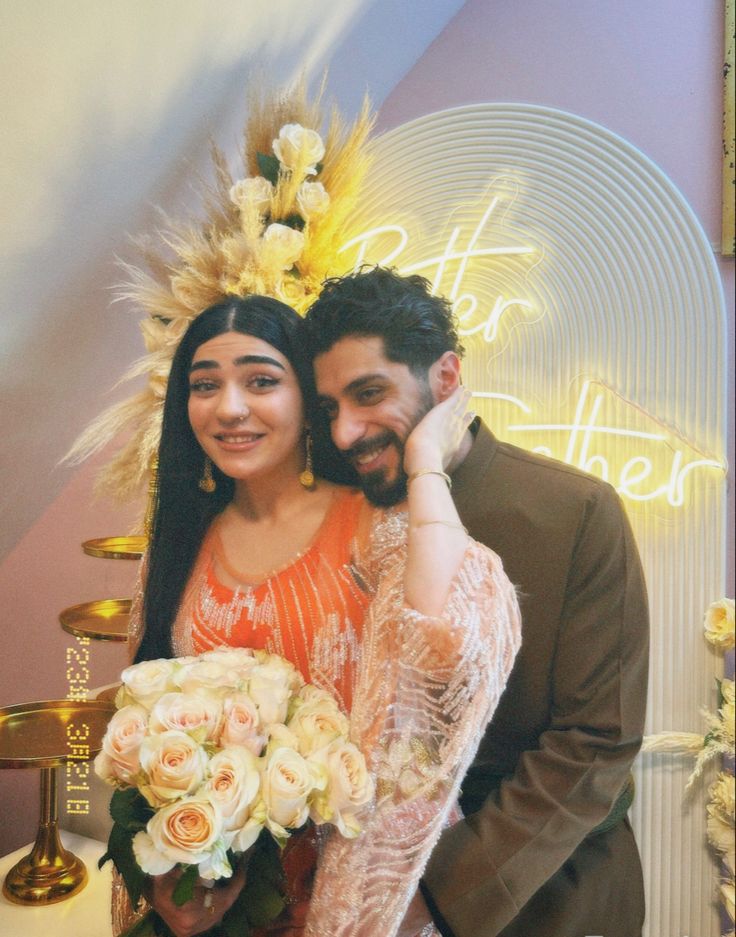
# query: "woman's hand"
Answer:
x=437 y=436
x=205 y=909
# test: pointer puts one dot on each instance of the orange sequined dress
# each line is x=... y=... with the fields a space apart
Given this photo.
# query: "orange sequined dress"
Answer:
x=310 y=612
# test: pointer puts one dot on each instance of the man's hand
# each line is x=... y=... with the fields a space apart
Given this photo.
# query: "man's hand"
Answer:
x=417 y=916
x=203 y=911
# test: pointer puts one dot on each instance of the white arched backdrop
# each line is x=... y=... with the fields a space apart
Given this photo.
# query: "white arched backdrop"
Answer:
x=595 y=331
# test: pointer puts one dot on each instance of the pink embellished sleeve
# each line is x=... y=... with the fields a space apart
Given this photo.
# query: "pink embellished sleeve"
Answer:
x=426 y=689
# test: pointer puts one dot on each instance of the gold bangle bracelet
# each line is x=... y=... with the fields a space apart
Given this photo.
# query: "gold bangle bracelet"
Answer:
x=444 y=524
x=430 y=472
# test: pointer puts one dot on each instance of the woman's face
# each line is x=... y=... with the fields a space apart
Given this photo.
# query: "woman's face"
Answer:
x=245 y=407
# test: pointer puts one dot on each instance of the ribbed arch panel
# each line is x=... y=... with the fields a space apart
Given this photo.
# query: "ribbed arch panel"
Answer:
x=623 y=298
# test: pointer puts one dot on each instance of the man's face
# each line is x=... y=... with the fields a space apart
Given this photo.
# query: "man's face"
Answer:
x=372 y=404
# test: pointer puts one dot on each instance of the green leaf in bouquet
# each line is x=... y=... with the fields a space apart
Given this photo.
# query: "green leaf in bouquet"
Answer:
x=264 y=902
x=130 y=809
x=263 y=895
x=269 y=167
x=184 y=890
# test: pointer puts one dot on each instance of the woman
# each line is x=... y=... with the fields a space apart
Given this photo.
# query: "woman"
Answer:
x=247 y=549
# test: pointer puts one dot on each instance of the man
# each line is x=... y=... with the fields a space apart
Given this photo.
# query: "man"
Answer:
x=545 y=849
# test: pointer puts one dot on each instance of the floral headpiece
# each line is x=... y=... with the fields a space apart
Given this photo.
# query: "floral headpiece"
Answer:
x=276 y=231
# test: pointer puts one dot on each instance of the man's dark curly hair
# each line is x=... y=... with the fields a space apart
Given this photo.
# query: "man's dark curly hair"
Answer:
x=416 y=327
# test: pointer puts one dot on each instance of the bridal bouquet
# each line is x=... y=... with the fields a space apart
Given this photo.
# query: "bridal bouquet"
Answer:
x=213 y=755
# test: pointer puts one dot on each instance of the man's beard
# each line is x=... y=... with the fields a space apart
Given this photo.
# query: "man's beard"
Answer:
x=377 y=489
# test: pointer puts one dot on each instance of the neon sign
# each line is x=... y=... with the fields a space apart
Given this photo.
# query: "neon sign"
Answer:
x=604 y=436
x=660 y=470
x=464 y=304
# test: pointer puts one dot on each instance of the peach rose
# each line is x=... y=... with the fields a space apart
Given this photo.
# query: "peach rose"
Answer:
x=287 y=782
x=233 y=785
x=119 y=758
x=349 y=787
x=188 y=831
x=174 y=765
x=241 y=724
x=198 y=714
x=317 y=724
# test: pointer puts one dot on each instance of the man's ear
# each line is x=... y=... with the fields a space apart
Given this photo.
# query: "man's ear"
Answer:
x=444 y=376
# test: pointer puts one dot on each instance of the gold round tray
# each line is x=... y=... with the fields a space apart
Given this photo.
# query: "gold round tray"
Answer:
x=49 y=733
x=116 y=548
x=104 y=619
x=46 y=735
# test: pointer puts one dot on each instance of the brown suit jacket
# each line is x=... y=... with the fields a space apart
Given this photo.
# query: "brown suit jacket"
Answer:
x=526 y=860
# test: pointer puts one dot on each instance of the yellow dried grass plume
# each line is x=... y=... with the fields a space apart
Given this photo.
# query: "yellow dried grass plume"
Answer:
x=191 y=265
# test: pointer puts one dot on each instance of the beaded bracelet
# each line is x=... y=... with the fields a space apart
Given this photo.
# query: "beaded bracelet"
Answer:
x=430 y=472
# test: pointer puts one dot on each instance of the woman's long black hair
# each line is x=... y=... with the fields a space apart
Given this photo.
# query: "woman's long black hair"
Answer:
x=182 y=512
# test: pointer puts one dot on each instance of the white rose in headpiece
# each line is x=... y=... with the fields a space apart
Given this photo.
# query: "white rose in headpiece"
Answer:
x=282 y=246
x=312 y=199
x=297 y=145
x=255 y=190
x=719 y=624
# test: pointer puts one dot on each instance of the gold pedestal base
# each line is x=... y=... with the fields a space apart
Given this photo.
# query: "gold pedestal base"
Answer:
x=49 y=873
x=34 y=882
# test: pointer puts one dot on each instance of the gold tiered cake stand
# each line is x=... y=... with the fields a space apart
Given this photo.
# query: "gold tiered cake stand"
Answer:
x=46 y=735
x=104 y=619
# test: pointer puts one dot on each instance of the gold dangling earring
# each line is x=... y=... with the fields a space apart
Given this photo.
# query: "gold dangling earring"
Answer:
x=306 y=478
x=207 y=482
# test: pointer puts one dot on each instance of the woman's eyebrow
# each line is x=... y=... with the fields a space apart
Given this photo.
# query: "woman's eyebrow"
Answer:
x=243 y=359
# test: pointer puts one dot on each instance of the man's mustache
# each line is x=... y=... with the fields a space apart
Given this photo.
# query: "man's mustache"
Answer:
x=367 y=445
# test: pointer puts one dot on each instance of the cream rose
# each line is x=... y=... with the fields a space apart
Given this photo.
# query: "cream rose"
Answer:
x=174 y=765
x=144 y=683
x=282 y=246
x=119 y=758
x=312 y=199
x=254 y=191
x=233 y=785
x=271 y=685
x=297 y=146
x=240 y=659
x=188 y=831
x=241 y=724
x=719 y=624
x=202 y=674
x=316 y=724
x=198 y=714
x=349 y=787
x=287 y=782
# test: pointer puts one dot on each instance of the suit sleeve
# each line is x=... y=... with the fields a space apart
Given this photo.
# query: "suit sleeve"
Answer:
x=485 y=868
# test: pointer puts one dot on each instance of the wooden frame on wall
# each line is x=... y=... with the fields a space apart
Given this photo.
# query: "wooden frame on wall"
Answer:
x=728 y=230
